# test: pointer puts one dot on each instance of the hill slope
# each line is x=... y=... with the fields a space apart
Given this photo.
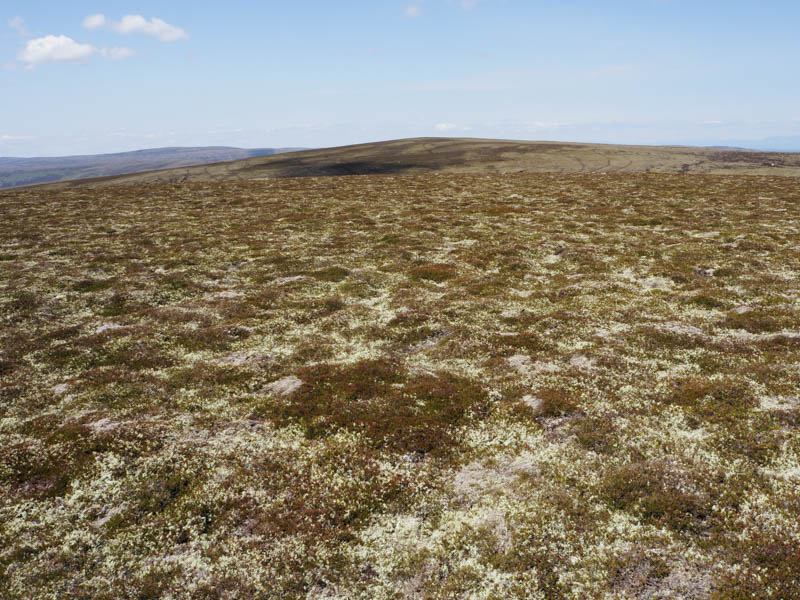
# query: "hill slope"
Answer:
x=24 y=171
x=452 y=155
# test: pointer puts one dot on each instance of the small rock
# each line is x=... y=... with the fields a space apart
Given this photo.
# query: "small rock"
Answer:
x=521 y=363
x=107 y=517
x=60 y=389
x=680 y=329
x=703 y=271
x=102 y=425
x=284 y=280
x=285 y=386
x=533 y=402
x=228 y=294
x=431 y=340
x=243 y=357
x=582 y=363
x=107 y=327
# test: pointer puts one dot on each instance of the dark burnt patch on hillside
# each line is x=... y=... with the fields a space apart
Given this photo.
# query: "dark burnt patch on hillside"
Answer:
x=755 y=158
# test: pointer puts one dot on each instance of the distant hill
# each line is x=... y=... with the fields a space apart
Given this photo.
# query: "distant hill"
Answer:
x=783 y=143
x=25 y=171
x=462 y=155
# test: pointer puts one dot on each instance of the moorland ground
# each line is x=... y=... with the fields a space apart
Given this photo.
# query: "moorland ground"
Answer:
x=422 y=386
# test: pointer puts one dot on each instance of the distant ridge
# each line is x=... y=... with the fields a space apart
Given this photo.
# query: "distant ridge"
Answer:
x=25 y=171
x=463 y=155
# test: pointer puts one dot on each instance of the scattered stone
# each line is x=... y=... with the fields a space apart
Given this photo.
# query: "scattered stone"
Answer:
x=285 y=280
x=521 y=363
x=107 y=327
x=103 y=425
x=703 y=271
x=225 y=295
x=533 y=402
x=546 y=367
x=431 y=340
x=242 y=357
x=680 y=329
x=107 y=517
x=582 y=363
x=284 y=387
x=60 y=389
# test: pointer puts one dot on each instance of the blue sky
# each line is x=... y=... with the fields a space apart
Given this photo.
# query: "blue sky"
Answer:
x=323 y=72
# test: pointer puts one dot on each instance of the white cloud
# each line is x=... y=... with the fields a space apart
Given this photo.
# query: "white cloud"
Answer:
x=18 y=24
x=413 y=10
x=117 y=53
x=63 y=49
x=155 y=27
x=445 y=126
x=94 y=21
x=54 y=48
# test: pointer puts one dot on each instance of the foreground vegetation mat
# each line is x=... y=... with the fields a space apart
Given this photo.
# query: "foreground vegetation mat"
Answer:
x=519 y=386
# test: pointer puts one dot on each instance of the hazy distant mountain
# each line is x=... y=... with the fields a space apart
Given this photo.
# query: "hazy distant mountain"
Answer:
x=781 y=143
x=23 y=171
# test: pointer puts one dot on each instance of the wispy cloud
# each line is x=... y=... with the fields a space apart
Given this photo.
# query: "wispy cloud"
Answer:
x=465 y=4
x=117 y=53
x=18 y=24
x=94 y=21
x=15 y=138
x=445 y=126
x=157 y=28
x=63 y=49
x=54 y=49
x=414 y=9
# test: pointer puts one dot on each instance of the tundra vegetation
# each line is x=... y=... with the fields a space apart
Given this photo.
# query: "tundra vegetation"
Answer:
x=402 y=386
